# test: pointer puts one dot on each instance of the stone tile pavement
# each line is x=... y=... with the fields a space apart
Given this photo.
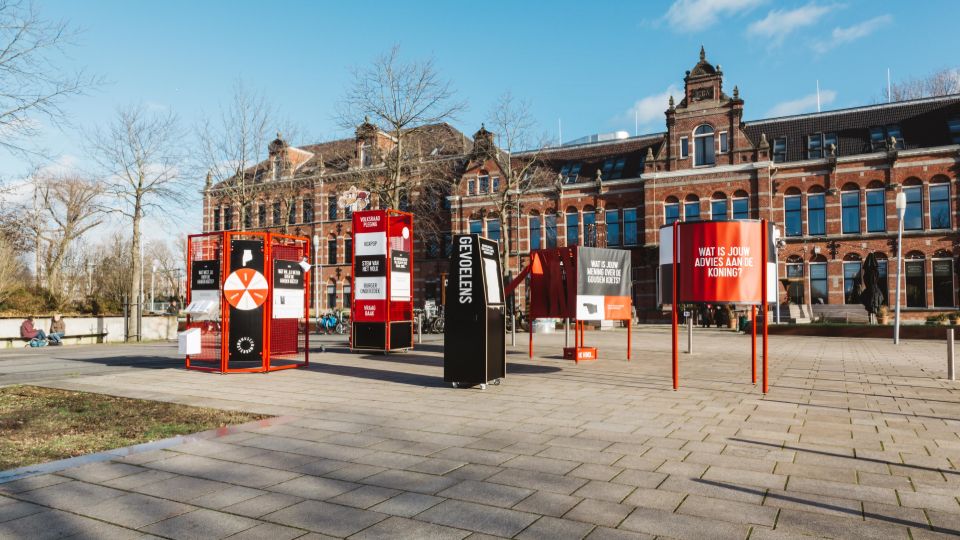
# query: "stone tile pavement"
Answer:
x=856 y=439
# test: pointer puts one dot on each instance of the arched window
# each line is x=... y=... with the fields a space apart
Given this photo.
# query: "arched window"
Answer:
x=850 y=209
x=703 y=145
x=718 y=207
x=550 y=224
x=795 y=282
x=671 y=210
x=816 y=212
x=573 y=227
x=741 y=204
x=852 y=283
x=913 y=217
x=535 y=226
x=332 y=250
x=819 y=290
x=940 y=203
x=589 y=226
x=915 y=279
x=613 y=226
x=691 y=208
x=793 y=212
x=876 y=207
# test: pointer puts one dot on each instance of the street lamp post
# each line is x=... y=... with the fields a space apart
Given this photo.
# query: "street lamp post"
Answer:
x=316 y=278
x=901 y=210
x=153 y=276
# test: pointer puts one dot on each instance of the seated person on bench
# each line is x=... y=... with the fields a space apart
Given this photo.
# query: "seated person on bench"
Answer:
x=58 y=328
x=28 y=332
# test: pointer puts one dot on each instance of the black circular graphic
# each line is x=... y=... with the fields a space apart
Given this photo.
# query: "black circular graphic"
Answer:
x=245 y=345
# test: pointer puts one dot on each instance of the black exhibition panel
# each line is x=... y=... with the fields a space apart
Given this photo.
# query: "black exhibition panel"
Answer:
x=246 y=325
x=474 y=349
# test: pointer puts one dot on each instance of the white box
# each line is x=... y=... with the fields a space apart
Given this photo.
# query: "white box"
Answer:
x=188 y=341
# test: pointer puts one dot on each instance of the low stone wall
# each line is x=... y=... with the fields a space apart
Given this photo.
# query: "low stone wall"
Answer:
x=160 y=327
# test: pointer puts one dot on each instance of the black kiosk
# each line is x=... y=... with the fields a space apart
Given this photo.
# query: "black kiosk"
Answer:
x=474 y=346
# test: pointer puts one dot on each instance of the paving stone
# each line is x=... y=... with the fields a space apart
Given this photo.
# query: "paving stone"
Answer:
x=542 y=464
x=796 y=521
x=364 y=496
x=726 y=510
x=550 y=528
x=226 y=497
x=403 y=528
x=313 y=487
x=606 y=533
x=181 y=488
x=31 y=483
x=486 y=493
x=139 y=479
x=411 y=481
x=269 y=531
x=943 y=503
x=472 y=471
x=660 y=523
x=604 y=491
x=592 y=471
x=599 y=512
x=325 y=518
x=478 y=517
x=101 y=472
x=655 y=498
x=407 y=504
x=71 y=495
x=538 y=481
x=638 y=478
x=135 y=510
x=354 y=472
x=264 y=504
x=11 y=509
x=201 y=524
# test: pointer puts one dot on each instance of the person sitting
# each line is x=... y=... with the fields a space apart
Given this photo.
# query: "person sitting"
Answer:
x=28 y=332
x=58 y=329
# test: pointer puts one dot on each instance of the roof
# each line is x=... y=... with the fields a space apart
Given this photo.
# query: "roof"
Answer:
x=923 y=124
x=592 y=155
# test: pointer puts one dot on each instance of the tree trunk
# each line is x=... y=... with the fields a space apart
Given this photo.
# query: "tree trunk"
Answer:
x=134 y=294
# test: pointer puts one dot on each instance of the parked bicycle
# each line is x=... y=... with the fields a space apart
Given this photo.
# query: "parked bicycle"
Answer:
x=333 y=323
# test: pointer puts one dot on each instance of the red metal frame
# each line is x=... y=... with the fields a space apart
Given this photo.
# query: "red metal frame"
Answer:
x=223 y=252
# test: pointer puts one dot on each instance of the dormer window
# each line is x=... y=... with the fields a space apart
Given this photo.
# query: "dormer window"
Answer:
x=954 y=126
x=818 y=145
x=496 y=184
x=471 y=187
x=613 y=168
x=570 y=171
x=484 y=182
x=779 y=149
x=703 y=146
x=366 y=155
x=880 y=135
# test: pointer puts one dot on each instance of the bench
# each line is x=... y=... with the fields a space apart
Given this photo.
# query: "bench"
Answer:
x=72 y=339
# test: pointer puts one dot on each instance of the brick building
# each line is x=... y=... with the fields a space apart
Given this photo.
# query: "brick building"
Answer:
x=828 y=180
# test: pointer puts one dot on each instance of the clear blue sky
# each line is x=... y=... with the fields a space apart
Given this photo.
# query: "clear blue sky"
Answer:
x=589 y=63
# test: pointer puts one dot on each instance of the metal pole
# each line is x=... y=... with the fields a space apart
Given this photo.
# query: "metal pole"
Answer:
x=753 y=347
x=763 y=305
x=896 y=316
x=318 y=276
x=690 y=334
x=513 y=328
x=566 y=332
x=153 y=275
x=673 y=310
x=126 y=321
x=420 y=329
x=951 y=368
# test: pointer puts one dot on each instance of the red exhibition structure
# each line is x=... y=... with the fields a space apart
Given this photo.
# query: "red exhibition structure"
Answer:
x=382 y=292
x=579 y=283
x=248 y=302
x=718 y=262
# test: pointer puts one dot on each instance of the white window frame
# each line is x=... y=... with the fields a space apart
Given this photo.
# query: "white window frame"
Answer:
x=693 y=153
x=721 y=138
x=684 y=155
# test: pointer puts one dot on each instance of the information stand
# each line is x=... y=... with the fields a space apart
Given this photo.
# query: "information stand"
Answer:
x=382 y=289
x=474 y=344
x=247 y=302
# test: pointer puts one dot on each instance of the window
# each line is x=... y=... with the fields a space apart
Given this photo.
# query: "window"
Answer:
x=718 y=209
x=573 y=229
x=819 y=294
x=292 y=212
x=792 y=207
x=876 y=211
x=851 y=277
x=535 y=225
x=551 y=226
x=850 y=211
x=779 y=149
x=818 y=145
x=308 y=210
x=346 y=295
x=684 y=147
x=570 y=171
x=331 y=296
x=493 y=229
x=476 y=226
x=332 y=251
x=954 y=126
x=366 y=156
x=589 y=228
x=227 y=218
x=447 y=241
x=247 y=217
x=471 y=187
x=795 y=287
x=691 y=210
x=613 y=168
x=216 y=219
x=332 y=208
x=703 y=146
x=671 y=211
x=630 y=226
x=262 y=215
x=277 y=213
x=724 y=145
x=830 y=139
x=940 y=206
x=913 y=216
x=943 y=291
x=879 y=135
x=741 y=207
x=484 y=182
x=613 y=228
x=496 y=184
x=915 y=283
x=816 y=214
x=348 y=248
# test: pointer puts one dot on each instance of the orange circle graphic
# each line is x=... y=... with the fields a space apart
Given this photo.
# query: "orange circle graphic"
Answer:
x=246 y=289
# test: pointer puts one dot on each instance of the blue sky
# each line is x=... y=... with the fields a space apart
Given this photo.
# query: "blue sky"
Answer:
x=588 y=63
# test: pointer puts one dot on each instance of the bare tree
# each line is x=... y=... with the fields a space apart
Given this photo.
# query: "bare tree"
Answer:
x=232 y=146
x=402 y=99
x=72 y=208
x=34 y=85
x=939 y=83
x=141 y=159
x=514 y=128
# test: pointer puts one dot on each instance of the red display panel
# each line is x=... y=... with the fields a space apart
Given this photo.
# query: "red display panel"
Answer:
x=720 y=262
x=370 y=248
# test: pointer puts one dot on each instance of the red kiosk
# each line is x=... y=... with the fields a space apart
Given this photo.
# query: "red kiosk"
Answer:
x=247 y=302
x=718 y=262
x=579 y=283
x=382 y=313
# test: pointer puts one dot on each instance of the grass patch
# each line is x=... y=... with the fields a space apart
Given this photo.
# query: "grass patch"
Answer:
x=44 y=424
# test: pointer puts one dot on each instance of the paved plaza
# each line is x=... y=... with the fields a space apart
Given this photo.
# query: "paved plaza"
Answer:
x=856 y=439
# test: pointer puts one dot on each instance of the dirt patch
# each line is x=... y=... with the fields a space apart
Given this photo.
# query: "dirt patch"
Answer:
x=45 y=424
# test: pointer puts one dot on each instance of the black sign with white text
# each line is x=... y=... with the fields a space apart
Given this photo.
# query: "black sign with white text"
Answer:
x=205 y=275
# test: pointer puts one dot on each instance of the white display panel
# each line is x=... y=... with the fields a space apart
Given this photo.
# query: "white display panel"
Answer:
x=370 y=288
x=374 y=243
x=288 y=303
x=491 y=275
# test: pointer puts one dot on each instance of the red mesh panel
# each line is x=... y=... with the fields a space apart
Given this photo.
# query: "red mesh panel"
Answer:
x=288 y=336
